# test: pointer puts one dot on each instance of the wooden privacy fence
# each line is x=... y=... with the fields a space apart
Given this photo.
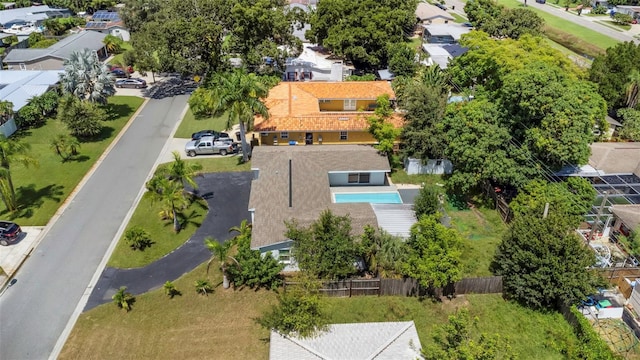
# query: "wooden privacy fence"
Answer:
x=406 y=287
x=616 y=276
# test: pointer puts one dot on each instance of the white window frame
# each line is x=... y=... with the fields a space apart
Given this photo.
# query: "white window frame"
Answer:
x=284 y=135
x=350 y=104
x=344 y=135
x=287 y=256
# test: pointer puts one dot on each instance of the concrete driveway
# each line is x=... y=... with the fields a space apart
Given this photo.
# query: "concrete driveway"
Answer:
x=227 y=195
x=12 y=256
x=35 y=312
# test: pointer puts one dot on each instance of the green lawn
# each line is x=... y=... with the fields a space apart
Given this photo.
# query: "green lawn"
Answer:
x=221 y=326
x=482 y=229
x=190 y=124
x=117 y=59
x=399 y=176
x=531 y=334
x=459 y=19
x=42 y=190
x=165 y=240
x=615 y=25
x=588 y=35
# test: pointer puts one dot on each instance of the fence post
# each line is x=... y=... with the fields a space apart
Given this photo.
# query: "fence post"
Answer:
x=379 y=287
x=350 y=286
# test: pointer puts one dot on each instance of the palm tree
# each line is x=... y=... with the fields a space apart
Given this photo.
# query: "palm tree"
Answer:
x=203 y=287
x=239 y=95
x=12 y=152
x=220 y=251
x=633 y=89
x=171 y=194
x=123 y=299
x=58 y=145
x=112 y=44
x=244 y=230
x=182 y=171
x=87 y=78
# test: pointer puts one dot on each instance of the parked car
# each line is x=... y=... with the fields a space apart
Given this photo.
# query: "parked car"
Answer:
x=131 y=83
x=119 y=73
x=467 y=24
x=202 y=133
x=441 y=6
x=541 y=1
x=9 y=232
x=207 y=145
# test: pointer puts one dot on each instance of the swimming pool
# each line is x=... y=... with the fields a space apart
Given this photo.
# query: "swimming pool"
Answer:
x=370 y=197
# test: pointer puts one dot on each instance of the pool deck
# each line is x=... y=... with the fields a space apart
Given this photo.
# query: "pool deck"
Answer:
x=363 y=189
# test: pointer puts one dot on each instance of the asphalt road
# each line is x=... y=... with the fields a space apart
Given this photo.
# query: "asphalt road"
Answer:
x=227 y=195
x=35 y=311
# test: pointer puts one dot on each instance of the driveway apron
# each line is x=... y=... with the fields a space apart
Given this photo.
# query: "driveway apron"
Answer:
x=35 y=311
x=227 y=195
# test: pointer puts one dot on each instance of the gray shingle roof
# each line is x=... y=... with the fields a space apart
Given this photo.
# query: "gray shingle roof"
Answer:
x=62 y=49
x=31 y=13
x=380 y=341
x=615 y=158
x=311 y=192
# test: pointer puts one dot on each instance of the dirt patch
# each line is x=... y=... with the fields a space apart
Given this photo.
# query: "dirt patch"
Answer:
x=456 y=303
x=478 y=214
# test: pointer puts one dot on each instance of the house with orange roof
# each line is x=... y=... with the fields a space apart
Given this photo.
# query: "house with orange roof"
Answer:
x=315 y=113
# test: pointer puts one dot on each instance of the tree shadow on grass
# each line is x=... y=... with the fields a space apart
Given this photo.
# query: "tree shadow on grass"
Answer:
x=76 y=158
x=116 y=111
x=31 y=198
x=189 y=219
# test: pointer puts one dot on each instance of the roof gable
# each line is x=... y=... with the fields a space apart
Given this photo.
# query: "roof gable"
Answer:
x=383 y=340
x=426 y=11
x=61 y=50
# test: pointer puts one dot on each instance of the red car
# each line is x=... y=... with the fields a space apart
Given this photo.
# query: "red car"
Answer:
x=9 y=232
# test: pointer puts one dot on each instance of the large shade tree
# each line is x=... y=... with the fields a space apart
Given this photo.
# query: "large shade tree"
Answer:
x=87 y=78
x=611 y=72
x=361 y=30
x=239 y=95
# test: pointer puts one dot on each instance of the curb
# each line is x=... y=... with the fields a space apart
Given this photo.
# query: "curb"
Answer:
x=96 y=276
x=72 y=195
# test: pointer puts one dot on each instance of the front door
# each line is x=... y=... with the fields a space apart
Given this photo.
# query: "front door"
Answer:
x=308 y=139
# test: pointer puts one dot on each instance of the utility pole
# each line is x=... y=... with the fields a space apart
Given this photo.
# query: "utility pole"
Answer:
x=597 y=221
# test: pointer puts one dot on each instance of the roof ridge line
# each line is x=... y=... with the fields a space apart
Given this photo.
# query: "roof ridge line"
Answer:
x=391 y=340
x=309 y=349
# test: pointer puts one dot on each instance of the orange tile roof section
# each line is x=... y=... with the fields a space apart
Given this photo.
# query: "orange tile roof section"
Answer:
x=294 y=106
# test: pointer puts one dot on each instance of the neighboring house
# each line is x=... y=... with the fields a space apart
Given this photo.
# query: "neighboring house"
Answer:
x=322 y=112
x=109 y=23
x=53 y=57
x=614 y=172
x=633 y=11
x=355 y=341
x=613 y=125
x=427 y=14
x=299 y=182
x=18 y=87
x=443 y=33
x=31 y=14
x=441 y=54
x=300 y=32
x=314 y=64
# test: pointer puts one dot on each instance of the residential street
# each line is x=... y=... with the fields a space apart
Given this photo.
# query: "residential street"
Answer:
x=580 y=20
x=35 y=311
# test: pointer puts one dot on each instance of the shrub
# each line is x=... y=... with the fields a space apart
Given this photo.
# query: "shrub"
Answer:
x=599 y=10
x=138 y=238
x=34 y=38
x=84 y=119
x=572 y=43
x=29 y=117
x=366 y=77
x=622 y=19
x=43 y=44
x=203 y=287
x=254 y=270
x=170 y=289
x=593 y=347
x=427 y=202
x=123 y=299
